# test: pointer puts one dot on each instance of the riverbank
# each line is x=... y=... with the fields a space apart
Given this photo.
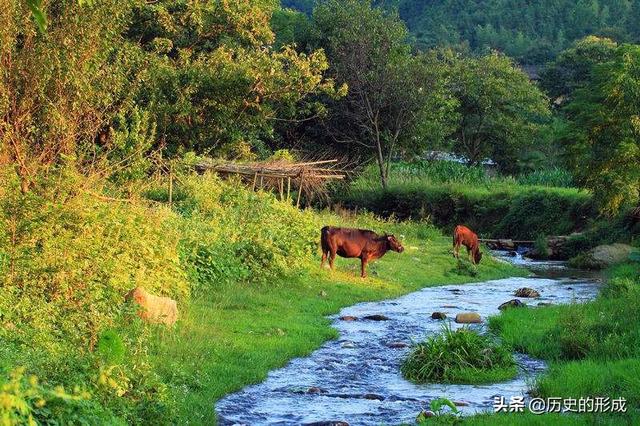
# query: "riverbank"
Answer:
x=356 y=379
x=232 y=337
x=448 y=194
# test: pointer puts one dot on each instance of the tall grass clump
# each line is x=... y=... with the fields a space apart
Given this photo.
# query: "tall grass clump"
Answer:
x=554 y=177
x=462 y=356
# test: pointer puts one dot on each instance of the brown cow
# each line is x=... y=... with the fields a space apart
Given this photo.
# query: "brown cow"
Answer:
x=466 y=237
x=361 y=243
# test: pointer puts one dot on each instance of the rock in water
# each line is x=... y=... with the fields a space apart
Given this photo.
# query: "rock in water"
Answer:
x=397 y=345
x=349 y=318
x=515 y=303
x=438 y=316
x=468 y=318
x=607 y=255
x=526 y=292
x=155 y=309
x=376 y=317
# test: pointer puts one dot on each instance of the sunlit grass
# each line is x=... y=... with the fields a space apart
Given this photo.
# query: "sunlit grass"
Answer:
x=234 y=335
x=459 y=356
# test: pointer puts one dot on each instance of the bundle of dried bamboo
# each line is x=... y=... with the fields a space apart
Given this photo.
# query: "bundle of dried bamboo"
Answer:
x=307 y=178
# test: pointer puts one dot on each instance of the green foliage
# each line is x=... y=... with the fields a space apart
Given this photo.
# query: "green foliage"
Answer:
x=110 y=347
x=448 y=194
x=24 y=401
x=602 y=142
x=395 y=100
x=498 y=111
x=572 y=69
x=541 y=246
x=462 y=356
x=212 y=80
x=69 y=260
x=230 y=234
x=554 y=177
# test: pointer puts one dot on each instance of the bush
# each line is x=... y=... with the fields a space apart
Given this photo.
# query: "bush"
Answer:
x=462 y=356
x=231 y=234
x=449 y=193
x=68 y=259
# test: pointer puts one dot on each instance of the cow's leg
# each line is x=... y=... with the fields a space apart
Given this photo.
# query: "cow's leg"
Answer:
x=456 y=250
x=324 y=258
x=363 y=267
x=332 y=258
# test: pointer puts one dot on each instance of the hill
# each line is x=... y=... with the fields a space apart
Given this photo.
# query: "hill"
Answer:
x=531 y=32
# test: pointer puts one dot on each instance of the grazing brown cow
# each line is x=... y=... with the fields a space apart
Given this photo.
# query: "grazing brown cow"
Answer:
x=466 y=237
x=361 y=243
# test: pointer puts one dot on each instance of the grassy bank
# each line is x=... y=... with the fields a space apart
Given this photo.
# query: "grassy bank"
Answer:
x=233 y=336
x=449 y=193
x=243 y=267
x=593 y=348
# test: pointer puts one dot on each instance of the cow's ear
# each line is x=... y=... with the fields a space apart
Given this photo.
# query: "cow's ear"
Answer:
x=389 y=237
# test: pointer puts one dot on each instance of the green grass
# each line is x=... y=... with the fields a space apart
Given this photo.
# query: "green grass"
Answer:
x=495 y=207
x=234 y=335
x=462 y=356
x=593 y=349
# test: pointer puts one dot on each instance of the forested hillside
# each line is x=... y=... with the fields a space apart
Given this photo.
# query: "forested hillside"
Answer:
x=531 y=32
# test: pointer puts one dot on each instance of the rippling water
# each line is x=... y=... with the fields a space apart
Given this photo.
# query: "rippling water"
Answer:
x=356 y=379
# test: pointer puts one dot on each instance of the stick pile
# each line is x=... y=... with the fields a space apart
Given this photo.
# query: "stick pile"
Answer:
x=281 y=176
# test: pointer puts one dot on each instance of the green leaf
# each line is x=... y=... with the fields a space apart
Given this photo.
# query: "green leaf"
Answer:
x=38 y=14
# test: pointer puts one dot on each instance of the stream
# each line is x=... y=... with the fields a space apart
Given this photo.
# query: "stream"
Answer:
x=356 y=379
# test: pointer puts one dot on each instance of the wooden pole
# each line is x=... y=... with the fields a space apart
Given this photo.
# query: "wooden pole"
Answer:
x=255 y=178
x=170 y=184
x=300 y=190
x=288 y=187
x=281 y=187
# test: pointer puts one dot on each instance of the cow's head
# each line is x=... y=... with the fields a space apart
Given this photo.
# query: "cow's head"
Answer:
x=394 y=244
x=477 y=256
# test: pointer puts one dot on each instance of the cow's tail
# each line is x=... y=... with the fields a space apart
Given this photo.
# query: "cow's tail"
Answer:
x=324 y=239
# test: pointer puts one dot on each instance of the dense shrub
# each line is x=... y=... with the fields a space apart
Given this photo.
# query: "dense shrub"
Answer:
x=498 y=212
x=462 y=356
x=230 y=234
x=68 y=259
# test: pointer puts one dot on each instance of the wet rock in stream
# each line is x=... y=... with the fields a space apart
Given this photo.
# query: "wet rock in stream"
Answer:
x=514 y=303
x=438 y=316
x=376 y=317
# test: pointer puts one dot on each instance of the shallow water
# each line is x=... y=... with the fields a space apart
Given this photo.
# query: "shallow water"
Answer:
x=356 y=379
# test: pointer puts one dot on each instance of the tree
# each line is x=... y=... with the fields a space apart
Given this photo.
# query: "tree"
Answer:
x=572 y=68
x=214 y=83
x=389 y=89
x=603 y=139
x=58 y=90
x=498 y=110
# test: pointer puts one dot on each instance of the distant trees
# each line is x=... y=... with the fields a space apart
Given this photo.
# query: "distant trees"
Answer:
x=530 y=32
x=498 y=111
x=572 y=68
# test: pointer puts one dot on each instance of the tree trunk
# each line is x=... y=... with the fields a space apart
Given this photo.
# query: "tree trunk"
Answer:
x=380 y=159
